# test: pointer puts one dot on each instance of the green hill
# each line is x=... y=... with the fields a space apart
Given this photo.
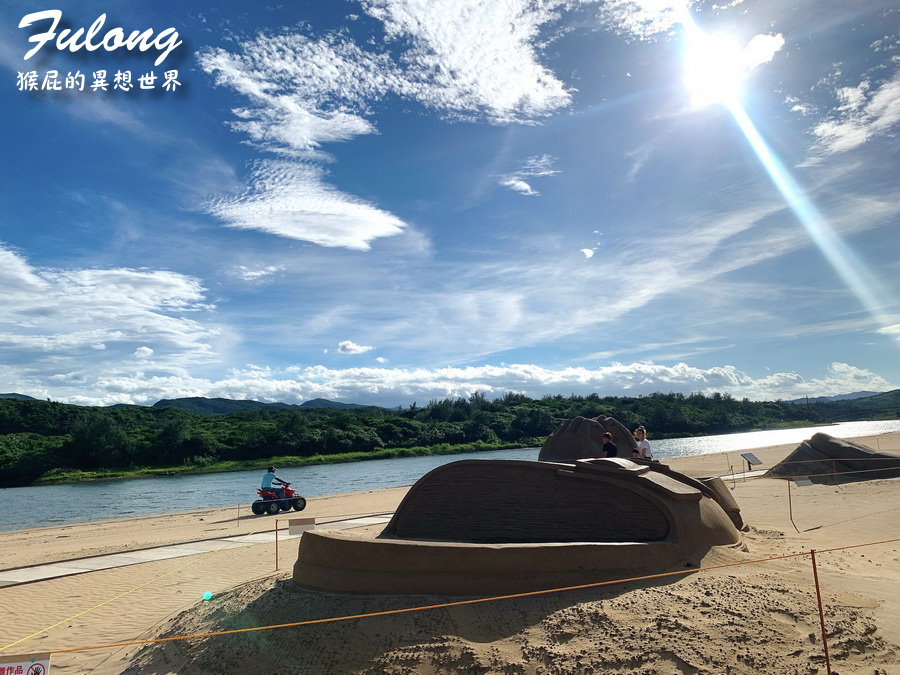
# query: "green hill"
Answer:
x=217 y=406
x=887 y=403
x=325 y=403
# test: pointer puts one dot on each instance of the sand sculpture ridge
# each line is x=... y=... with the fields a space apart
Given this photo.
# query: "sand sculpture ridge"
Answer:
x=478 y=527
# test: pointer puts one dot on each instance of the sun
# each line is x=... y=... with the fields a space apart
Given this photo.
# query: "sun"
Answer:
x=714 y=68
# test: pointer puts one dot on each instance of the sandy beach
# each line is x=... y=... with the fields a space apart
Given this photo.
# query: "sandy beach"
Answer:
x=748 y=618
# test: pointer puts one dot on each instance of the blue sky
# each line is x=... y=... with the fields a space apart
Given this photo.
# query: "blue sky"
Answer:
x=397 y=200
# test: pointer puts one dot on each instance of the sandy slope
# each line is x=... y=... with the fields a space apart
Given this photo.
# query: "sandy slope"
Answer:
x=743 y=619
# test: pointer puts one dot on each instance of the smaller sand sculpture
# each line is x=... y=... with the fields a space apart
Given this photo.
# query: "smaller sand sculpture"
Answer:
x=582 y=438
x=823 y=456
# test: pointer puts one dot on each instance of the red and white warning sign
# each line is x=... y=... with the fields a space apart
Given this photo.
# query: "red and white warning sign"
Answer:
x=25 y=664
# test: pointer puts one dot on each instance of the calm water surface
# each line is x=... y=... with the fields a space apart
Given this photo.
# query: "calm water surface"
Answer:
x=53 y=504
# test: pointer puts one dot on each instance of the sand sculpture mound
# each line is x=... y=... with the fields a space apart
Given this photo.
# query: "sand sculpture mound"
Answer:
x=582 y=438
x=823 y=456
x=482 y=527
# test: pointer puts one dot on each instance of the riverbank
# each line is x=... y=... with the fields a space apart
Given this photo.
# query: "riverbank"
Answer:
x=71 y=476
x=860 y=582
x=68 y=476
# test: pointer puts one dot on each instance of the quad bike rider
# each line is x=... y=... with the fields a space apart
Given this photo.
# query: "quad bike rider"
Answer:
x=274 y=499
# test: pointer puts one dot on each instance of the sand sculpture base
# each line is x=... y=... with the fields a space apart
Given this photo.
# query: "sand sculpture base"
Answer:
x=483 y=527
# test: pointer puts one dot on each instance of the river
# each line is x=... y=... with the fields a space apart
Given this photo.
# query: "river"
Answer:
x=27 y=507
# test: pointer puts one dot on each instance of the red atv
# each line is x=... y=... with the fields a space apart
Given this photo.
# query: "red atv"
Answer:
x=270 y=503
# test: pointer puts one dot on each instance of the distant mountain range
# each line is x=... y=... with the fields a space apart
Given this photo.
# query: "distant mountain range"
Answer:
x=224 y=406
x=838 y=397
x=21 y=397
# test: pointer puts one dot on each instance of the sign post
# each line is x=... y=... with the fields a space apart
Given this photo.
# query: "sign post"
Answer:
x=751 y=459
x=25 y=664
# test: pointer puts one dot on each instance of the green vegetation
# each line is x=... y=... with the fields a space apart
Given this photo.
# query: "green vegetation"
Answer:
x=44 y=442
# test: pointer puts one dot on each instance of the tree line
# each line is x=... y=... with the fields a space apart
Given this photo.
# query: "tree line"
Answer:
x=37 y=437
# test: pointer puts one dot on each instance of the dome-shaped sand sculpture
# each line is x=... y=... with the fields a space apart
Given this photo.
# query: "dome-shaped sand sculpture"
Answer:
x=483 y=527
x=582 y=438
x=824 y=458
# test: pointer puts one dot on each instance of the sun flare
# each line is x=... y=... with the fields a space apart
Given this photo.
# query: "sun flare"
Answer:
x=714 y=68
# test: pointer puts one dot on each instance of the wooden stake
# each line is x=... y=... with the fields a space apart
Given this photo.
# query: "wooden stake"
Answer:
x=812 y=555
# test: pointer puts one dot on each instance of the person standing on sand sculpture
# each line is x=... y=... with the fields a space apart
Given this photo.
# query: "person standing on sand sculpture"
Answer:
x=609 y=448
x=643 y=445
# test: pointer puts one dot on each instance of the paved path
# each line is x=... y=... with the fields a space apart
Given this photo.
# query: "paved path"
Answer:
x=24 y=575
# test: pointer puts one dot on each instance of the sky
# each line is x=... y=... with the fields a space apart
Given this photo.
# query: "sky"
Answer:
x=391 y=201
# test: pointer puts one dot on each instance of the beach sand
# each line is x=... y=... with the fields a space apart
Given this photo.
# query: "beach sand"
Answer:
x=747 y=619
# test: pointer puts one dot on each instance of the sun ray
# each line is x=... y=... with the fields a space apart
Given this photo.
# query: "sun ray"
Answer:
x=714 y=74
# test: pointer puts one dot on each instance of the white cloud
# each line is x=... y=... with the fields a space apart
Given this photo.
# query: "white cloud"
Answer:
x=257 y=274
x=350 y=347
x=292 y=200
x=762 y=49
x=588 y=253
x=303 y=94
x=65 y=319
x=381 y=359
x=537 y=166
x=468 y=58
x=893 y=329
x=473 y=57
x=862 y=114
x=392 y=386
x=143 y=352
x=643 y=19
x=518 y=185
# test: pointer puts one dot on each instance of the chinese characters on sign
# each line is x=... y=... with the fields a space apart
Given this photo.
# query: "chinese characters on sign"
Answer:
x=98 y=80
x=26 y=664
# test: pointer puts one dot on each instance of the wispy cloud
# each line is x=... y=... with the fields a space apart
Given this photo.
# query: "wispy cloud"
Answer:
x=475 y=58
x=303 y=93
x=467 y=59
x=893 y=329
x=63 y=320
x=642 y=19
x=534 y=167
x=863 y=112
x=257 y=274
x=292 y=200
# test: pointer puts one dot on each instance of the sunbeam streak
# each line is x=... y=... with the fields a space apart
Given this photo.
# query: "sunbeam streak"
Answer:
x=844 y=261
x=714 y=74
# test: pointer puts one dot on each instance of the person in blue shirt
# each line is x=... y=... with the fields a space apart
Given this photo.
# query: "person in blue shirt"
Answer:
x=269 y=478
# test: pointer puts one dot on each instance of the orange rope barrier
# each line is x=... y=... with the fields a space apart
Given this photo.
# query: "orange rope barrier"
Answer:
x=465 y=602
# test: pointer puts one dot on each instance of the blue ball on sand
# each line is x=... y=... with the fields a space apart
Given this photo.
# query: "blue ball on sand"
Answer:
x=207 y=595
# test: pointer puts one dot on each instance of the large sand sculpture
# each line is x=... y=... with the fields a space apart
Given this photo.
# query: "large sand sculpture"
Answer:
x=823 y=456
x=582 y=438
x=479 y=527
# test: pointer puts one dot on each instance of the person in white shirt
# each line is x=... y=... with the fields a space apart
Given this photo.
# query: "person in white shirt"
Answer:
x=643 y=445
